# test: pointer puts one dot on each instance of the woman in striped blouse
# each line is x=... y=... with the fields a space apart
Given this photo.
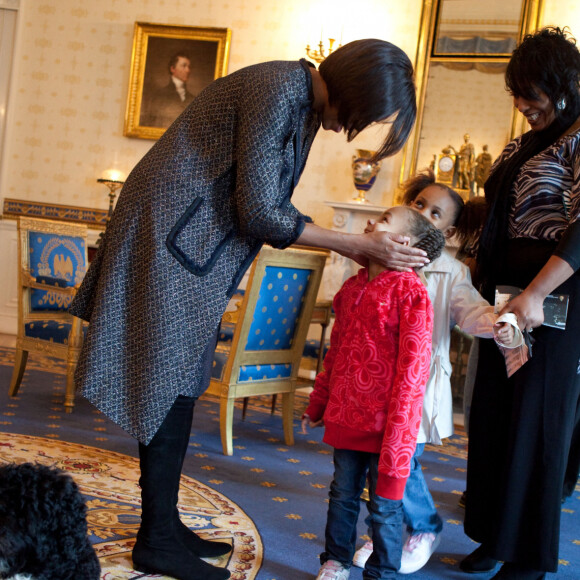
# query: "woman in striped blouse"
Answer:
x=520 y=427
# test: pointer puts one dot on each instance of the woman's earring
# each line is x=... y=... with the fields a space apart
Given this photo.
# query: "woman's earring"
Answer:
x=561 y=104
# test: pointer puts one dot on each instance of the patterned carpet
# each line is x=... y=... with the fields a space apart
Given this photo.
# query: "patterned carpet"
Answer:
x=108 y=481
x=268 y=499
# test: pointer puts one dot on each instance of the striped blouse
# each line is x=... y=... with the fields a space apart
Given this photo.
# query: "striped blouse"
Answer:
x=546 y=192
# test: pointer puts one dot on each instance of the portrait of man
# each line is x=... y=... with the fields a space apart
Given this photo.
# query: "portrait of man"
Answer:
x=175 y=72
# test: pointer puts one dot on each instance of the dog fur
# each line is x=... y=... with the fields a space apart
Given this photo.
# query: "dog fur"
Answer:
x=43 y=527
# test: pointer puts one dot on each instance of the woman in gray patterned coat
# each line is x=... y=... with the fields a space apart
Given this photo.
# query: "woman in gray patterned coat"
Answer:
x=192 y=216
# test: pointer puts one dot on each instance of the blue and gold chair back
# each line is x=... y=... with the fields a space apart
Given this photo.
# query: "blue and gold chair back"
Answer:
x=269 y=332
x=53 y=262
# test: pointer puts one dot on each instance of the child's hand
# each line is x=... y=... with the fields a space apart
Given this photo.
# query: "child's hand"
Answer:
x=307 y=422
x=503 y=333
x=506 y=331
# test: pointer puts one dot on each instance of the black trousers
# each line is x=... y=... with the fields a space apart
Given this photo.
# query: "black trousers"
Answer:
x=520 y=431
x=573 y=468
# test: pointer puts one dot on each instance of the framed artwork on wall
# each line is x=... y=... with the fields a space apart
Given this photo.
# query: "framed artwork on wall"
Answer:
x=170 y=65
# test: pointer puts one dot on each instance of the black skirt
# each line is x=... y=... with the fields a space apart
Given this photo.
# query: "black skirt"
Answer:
x=520 y=429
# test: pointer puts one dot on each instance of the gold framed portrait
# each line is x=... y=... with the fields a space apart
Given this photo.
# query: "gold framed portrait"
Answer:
x=170 y=65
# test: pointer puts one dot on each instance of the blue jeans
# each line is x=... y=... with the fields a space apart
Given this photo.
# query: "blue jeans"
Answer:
x=419 y=511
x=386 y=516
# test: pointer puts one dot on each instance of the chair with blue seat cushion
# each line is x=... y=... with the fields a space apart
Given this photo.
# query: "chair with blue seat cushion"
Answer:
x=269 y=332
x=52 y=259
x=312 y=356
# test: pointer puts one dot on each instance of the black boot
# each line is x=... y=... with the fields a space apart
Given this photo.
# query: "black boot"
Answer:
x=478 y=561
x=196 y=545
x=511 y=571
x=159 y=548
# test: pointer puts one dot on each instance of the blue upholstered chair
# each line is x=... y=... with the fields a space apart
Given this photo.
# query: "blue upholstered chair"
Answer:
x=53 y=260
x=269 y=332
x=312 y=356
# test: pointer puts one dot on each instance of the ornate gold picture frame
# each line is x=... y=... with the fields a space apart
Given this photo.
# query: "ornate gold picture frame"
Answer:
x=428 y=59
x=170 y=65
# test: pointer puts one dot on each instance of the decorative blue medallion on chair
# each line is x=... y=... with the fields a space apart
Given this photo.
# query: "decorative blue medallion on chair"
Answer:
x=53 y=261
x=269 y=331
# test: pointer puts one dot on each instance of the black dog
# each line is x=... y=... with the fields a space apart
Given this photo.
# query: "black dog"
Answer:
x=43 y=527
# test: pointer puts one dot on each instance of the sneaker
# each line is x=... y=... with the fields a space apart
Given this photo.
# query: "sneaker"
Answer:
x=417 y=551
x=333 y=570
x=362 y=555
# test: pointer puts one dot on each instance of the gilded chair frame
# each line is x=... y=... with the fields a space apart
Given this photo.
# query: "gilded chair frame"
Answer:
x=26 y=283
x=229 y=388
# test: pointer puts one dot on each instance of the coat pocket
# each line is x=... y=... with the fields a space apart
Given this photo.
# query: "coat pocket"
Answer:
x=199 y=237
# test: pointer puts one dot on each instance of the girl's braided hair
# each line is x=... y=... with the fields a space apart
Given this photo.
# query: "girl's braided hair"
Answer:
x=428 y=237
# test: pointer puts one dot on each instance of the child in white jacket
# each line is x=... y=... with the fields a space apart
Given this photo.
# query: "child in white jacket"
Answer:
x=455 y=302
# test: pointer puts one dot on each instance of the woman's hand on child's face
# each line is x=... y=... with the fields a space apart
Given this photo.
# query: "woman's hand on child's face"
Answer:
x=503 y=332
x=392 y=251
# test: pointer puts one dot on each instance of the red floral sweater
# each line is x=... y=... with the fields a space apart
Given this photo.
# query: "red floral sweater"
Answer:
x=370 y=392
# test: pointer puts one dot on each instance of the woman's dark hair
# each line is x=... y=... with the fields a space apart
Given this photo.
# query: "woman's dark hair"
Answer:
x=547 y=60
x=470 y=225
x=371 y=81
x=427 y=236
x=416 y=184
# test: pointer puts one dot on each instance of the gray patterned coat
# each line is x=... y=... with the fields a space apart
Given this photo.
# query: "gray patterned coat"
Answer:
x=191 y=217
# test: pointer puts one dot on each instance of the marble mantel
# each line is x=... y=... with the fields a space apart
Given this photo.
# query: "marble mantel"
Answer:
x=351 y=217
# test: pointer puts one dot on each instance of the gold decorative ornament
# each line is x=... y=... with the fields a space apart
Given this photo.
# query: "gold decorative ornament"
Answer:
x=322 y=52
x=445 y=168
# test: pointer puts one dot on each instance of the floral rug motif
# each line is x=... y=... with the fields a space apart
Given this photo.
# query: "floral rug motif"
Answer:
x=109 y=483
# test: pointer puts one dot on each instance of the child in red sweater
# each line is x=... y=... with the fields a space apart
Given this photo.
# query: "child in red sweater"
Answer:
x=370 y=396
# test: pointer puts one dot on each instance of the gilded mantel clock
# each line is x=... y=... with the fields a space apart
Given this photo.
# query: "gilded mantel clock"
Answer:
x=445 y=168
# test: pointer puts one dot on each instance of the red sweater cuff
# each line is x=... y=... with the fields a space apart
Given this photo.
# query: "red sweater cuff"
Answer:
x=391 y=487
x=314 y=411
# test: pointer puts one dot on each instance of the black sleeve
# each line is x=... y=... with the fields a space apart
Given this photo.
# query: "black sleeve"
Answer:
x=569 y=247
